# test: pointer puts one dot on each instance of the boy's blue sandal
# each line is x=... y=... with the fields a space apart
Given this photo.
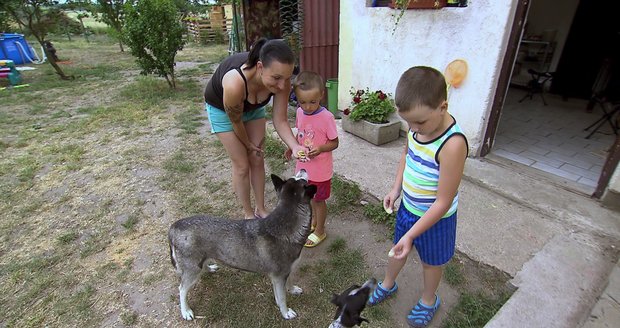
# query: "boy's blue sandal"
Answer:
x=421 y=315
x=380 y=294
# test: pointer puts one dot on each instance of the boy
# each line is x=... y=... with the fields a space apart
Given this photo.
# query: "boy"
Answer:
x=316 y=130
x=429 y=174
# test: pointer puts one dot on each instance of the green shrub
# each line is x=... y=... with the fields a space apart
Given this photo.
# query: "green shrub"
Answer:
x=154 y=33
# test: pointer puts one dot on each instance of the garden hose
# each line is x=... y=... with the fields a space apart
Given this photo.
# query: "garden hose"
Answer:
x=23 y=53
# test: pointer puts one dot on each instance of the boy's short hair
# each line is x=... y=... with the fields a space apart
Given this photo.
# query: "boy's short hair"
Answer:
x=420 y=85
x=307 y=80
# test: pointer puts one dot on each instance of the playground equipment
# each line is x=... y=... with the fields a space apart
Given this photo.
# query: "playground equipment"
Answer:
x=14 y=47
x=10 y=72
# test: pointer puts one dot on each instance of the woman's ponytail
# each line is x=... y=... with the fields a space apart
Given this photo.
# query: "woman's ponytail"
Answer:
x=254 y=55
x=269 y=50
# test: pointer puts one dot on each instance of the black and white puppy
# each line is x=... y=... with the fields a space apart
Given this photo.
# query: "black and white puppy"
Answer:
x=351 y=303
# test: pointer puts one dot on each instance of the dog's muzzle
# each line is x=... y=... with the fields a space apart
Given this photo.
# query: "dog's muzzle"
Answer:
x=301 y=175
x=370 y=283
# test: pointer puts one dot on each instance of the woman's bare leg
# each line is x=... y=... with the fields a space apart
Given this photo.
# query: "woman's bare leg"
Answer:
x=240 y=170
x=256 y=133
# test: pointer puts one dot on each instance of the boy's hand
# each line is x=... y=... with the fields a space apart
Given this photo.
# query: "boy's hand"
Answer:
x=401 y=249
x=390 y=200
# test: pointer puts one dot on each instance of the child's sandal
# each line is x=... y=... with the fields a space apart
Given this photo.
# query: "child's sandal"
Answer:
x=380 y=294
x=421 y=315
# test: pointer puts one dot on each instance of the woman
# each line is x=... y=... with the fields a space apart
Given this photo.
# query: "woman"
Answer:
x=235 y=98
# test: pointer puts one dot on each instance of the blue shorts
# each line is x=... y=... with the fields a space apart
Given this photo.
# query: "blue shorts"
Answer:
x=221 y=123
x=436 y=245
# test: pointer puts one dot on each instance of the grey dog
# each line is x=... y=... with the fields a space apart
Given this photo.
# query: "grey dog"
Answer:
x=271 y=245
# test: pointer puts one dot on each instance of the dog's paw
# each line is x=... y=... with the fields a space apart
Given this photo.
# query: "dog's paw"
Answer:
x=296 y=290
x=290 y=314
x=187 y=314
x=213 y=267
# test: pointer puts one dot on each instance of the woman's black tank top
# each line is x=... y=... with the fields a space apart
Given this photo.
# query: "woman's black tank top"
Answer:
x=214 y=93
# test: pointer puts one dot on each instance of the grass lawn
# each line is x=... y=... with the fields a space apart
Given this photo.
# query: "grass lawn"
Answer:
x=92 y=173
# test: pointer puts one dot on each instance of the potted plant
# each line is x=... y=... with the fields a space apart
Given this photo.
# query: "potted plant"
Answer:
x=368 y=116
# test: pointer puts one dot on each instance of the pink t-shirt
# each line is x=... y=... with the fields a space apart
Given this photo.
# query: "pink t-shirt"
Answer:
x=312 y=131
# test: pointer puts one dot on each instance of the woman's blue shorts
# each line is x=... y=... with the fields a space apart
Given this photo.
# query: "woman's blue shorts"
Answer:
x=221 y=123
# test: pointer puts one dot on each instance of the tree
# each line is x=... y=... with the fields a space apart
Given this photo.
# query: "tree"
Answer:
x=154 y=33
x=5 y=21
x=112 y=13
x=80 y=7
x=38 y=20
x=186 y=7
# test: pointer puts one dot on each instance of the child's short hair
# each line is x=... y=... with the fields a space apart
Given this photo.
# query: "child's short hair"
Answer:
x=307 y=80
x=420 y=85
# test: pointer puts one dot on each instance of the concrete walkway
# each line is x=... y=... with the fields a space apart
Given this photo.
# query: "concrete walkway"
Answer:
x=560 y=246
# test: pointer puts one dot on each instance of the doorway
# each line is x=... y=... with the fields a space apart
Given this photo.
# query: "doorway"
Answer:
x=542 y=125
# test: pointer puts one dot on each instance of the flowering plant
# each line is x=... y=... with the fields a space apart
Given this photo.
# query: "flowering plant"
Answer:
x=373 y=106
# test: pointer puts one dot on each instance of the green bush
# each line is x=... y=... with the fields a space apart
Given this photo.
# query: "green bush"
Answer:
x=154 y=33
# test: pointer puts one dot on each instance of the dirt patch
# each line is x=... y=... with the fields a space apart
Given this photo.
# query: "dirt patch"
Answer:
x=374 y=240
x=94 y=223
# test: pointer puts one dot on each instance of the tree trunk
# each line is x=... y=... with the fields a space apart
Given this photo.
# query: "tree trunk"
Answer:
x=120 y=44
x=84 y=31
x=174 y=82
x=170 y=84
x=52 y=61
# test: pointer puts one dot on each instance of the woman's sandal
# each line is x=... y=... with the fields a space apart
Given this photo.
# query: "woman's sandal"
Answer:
x=421 y=315
x=380 y=294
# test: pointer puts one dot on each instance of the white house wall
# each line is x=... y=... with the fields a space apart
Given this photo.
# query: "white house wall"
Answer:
x=370 y=56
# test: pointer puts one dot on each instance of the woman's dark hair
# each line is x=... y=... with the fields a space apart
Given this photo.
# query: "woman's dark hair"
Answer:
x=268 y=51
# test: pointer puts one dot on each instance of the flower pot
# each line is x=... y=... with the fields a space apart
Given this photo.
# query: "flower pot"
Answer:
x=374 y=133
x=422 y=4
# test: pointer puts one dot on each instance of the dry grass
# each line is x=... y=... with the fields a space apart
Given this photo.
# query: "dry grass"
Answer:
x=92 y=173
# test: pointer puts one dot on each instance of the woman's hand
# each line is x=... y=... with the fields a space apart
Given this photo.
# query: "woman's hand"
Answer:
x=254 y=149
x=300 y=153
x=288 y=153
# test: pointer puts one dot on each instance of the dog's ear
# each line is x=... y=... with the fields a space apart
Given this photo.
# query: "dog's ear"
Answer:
x=277 y=182
x=310 y=190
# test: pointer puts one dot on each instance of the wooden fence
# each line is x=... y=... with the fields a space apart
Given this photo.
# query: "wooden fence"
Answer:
x=210 y=30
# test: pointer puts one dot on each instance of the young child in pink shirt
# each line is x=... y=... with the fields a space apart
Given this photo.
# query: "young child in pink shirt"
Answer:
x=316 y=131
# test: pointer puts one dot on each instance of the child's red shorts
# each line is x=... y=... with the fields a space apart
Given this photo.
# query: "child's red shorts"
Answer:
x=323 y=190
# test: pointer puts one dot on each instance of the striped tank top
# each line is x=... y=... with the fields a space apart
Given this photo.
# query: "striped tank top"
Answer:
x=421 y=175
